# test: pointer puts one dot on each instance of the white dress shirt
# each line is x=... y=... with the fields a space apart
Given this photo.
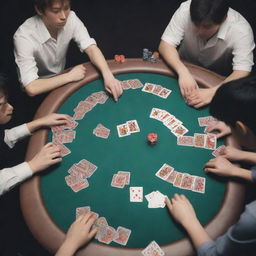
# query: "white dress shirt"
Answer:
x=37 y=54
x=230 y=49
x=9 y=177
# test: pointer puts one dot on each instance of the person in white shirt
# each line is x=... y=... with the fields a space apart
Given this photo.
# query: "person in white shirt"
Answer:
x=41 y=44
x=47 y=156
x=209 y=34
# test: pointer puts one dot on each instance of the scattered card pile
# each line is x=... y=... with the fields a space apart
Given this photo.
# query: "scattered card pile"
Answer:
x=106 y=234
x=131 y=84
x=181 y=180
x=78 y=175
x=169 y=120
x=155 y=199
x=89 y=103
x=153 y=249
x=156 y=89
x=121 y=179
x=101 y=131
x=128 y=128
x=136 y=194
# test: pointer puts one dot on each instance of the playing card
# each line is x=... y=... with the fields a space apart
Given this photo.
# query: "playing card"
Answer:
x=211 y=141
x=219 y=151
x=122 y=236
x=157 y=89
x=82 y=210
x=164 y=171
x=133 y=126
x=171 y=177
x=108 y=236
x=135 y=83
x=187 y=181
x=127 y=176
x=154 y=113
x=206 y=121
x=164 y=93
x=199 y=185
x=118 y=181
x=179 y=130
x=125 y=85
x=148 y=87
x=136 y=194
x=156 y=199
x=123 y=130
x=178 y=179
x=199 y=140
x=185 y=141
x=153 y=249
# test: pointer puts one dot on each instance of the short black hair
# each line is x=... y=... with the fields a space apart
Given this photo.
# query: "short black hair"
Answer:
x=41 y=5
x=3 y=83
x=211 y=10
x=236 y=101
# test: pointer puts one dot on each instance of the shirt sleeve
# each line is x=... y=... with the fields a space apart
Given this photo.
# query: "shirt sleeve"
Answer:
x=253 y=169
x=80 y=34
x=12 y=136
x=238 y=240
x=24 y=58
x=174 y=32
x=9 y=177
x=243 y=49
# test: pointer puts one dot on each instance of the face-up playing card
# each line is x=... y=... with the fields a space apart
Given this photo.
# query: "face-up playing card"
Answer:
x=135 y=83
x=164 y=93
x=178 y=179
x=157 y=89
x=153 y=249
x=127 y=176
x=185 y=141
x=108 y=236
x=133 y=126
x=148 y=87
x=118 y=181
x=211 y=141
x=187 y=181
x=179 y=130
x=122 y=236
x=164 y=171
x=82 y=210
x=123 y=130
x=171 y=177
x=136 y=194
x=154 y=113
x=206 y=121
x=199 y=140
x=156 y=199
x=199 y=185
x=125 y=85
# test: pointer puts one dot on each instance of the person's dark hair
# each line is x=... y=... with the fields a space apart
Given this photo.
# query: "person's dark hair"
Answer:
x=3 y=82
x=41 y=5
x=210 y=10
x=236 y=101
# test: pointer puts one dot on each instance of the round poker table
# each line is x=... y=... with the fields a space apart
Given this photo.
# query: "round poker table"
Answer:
x=49 y=205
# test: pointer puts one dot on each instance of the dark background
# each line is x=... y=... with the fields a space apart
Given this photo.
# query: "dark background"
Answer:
x=119 y=27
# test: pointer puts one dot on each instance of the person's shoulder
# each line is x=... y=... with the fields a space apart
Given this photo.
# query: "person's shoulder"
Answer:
x=185 y=6
x=237 y=23
x=27 y=28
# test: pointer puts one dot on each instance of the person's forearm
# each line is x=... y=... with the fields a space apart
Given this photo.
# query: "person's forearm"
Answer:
x=248 y=157
x=236 y=74
x=65 y=250
x=34 y=125
x=43 y=85
x=99 y=60
x=242 y=173
x=171 y=56
x=196 y=232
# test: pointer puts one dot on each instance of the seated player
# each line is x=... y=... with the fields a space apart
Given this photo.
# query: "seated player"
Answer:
x=232 y=104
x=41 y=43
x=79 y=233
x=212 y=35
x=48 y=155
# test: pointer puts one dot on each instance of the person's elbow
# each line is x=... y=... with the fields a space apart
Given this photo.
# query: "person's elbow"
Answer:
x=31 y=90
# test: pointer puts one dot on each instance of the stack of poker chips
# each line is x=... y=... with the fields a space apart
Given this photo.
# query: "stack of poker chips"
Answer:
x=149 y=56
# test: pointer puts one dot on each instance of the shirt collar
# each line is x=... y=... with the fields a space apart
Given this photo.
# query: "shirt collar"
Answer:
x=223 y=30
x=43 y=33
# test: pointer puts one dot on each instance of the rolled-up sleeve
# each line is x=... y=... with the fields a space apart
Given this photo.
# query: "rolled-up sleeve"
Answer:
x=9 y=177
x=80 y=34
x=174 y=32
x=15 y=134
x=24 y=58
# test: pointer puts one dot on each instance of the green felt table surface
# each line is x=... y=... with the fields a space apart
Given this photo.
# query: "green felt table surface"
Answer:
x=131 y=153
